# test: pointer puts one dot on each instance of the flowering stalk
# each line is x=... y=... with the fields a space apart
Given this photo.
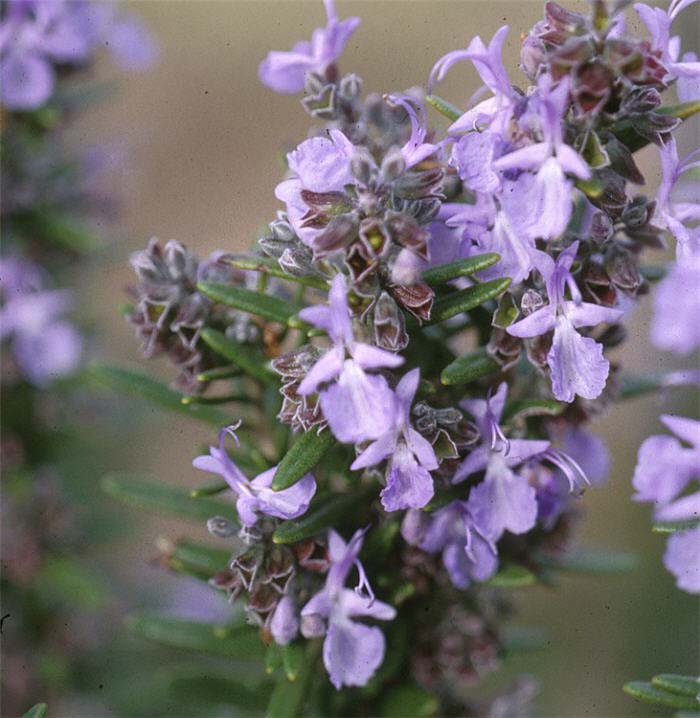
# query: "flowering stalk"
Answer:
x=390 y=459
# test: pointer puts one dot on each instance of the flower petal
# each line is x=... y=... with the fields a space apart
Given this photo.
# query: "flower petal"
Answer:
x=352 y=652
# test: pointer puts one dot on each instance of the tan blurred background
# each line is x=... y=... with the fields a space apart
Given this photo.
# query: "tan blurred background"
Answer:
x=203 y=143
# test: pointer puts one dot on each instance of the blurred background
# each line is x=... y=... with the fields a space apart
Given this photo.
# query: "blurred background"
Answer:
x=201 y=144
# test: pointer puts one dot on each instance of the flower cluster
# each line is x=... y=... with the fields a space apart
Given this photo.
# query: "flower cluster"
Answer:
x=513 y=231
x=39 y=39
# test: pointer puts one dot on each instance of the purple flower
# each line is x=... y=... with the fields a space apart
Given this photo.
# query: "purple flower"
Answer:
x=664 y=466
x=504 y=500
x=658 y=22
x=319 y=165
x=411 y=457
x=36 y=35
x=496 y=111
x=682 y=559
x=352 y=651
x=44 y=345
x=416 y=148
x=576 y=363
x=473 y=156
x=494 y=230
x=256 y=495
x=358 y=406
x=467 y=554
x=550 y=194
x=286 y=71
x=284 y=625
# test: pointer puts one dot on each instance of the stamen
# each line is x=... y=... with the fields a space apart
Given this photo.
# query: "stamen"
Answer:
x=572 y=471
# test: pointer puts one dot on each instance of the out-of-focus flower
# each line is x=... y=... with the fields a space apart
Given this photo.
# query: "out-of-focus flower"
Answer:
x=256 y=495
x=36 y=36
x=576 y=363
x=44 y=345
x=352 y=652
x=286 y=71
x=358 y=406
x=411 y=457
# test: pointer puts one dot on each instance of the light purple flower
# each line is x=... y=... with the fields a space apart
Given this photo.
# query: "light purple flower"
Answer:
x=256 y=495
x=658 y=22
x=36 y=35
x=467 y=554
x=411 y=457
x=416 y=148
x=550 y=196
x=44 y=345
x=504 y=500
x=284 y=625
x=664 y=466
x=285 y=72
x=358 y=406
x=352 y=651
x=319 y=165
x=473 y=156
x=682 y=559
x=576 y=363
x=496 y=111
x=498 y=230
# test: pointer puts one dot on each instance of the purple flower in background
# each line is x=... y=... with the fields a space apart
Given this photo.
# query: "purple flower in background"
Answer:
x=416 y=148
x=319 y=165
x=36 y=35
x=44 y=345
x=256 y=495
x=664 y=470
x=664 y=465
x=467 y=554
x=504 y=500
x=285 y=621
x=358 y=406
x=352 y=651
x=658 y=22
x=550 y=194
x=682 y=559
x=473 y=156
x=496 y=111
x=576 y=363
x=411 y=457
x=286 y=71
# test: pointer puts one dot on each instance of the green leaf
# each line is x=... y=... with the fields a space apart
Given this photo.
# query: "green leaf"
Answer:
x=251 y=361
x=409 y=700
x=37 y=711
x=469 y=368
x=220 y=640
x=247 y=300
x=207 y=689
x=467 y=299
x=653 y=272
x=293 y=657
x=164 y=498
x=303 y=455
x=512 y=576
x=324 y=514
x=268 y=265
x=287 y=700
x=592 y=188
x=194 y=558
x=594 y=153
x=624 y=131
x=123 y=380
x=460 y=268
x=273 y=658
x=221 y=372
x=216 y=487
x=672 y=527
x=444 y=107
x=597 y=561
x=643 y=691
x=674 y=683
x=60 y=229
x=525 y=408
x=67 y=581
